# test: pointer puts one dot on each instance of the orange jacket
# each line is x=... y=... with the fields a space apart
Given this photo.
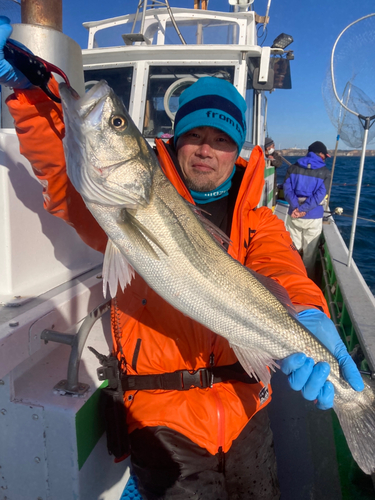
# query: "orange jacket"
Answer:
x=150 y=336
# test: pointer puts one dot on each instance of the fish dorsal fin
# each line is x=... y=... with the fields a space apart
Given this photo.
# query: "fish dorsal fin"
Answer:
x=277 y=290
x=116 y=270
x=255 y=362
x=209 y=226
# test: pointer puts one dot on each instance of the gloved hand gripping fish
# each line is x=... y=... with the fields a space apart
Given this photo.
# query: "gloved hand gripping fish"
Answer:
x=151 y=229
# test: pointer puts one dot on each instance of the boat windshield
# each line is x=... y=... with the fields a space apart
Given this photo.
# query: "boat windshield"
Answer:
x=196 y=28
x=120 y=79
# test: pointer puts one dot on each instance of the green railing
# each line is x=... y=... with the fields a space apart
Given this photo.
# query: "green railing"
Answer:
x=268 y=194
x=339 y=313
x=355 y=484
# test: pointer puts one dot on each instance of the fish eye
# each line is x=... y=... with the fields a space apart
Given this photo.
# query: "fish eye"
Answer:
x=119 y=122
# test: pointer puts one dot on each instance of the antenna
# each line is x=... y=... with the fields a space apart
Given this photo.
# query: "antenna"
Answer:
x=132 y=37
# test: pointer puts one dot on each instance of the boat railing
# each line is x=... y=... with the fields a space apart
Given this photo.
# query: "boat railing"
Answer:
x=157 y=21
x=71 y=384
x=351 y=302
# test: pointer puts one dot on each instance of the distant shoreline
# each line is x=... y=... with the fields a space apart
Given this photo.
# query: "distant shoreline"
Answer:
x=340 y=152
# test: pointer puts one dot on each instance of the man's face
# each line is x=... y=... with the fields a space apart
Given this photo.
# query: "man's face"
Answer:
x=206 y=156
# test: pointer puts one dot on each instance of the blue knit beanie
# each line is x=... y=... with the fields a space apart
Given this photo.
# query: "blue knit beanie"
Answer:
x=212 y=102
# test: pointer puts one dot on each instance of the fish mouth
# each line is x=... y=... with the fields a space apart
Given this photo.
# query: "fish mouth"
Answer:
x=73 y=93
x=100 y=89
x=90 y=104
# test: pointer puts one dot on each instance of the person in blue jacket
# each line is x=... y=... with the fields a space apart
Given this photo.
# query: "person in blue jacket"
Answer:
x=305 y=187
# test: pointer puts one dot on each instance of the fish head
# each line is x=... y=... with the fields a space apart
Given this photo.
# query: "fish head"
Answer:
x=108 y=160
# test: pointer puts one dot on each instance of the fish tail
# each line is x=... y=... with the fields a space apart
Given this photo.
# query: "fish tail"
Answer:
x=358 y=425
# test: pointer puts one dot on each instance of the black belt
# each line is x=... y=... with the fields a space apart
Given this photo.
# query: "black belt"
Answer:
x=183 y=380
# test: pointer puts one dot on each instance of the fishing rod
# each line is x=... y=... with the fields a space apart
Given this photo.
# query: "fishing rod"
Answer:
x=351 y=184
x=340 y=210
x=285 y=160
x=340 y=125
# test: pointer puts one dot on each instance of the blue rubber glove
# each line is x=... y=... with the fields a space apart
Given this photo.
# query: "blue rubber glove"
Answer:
x=9 y=76
x=310 y=378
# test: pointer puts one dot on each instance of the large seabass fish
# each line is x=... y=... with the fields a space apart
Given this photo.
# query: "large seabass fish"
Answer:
x=154 y=231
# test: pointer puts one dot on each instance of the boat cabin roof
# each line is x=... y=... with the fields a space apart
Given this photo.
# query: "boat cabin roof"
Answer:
x=157 y=24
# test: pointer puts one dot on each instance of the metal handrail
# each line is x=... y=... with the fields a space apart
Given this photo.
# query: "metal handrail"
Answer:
x=77 y=342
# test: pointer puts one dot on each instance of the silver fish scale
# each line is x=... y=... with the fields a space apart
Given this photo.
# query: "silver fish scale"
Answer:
x=199 y=278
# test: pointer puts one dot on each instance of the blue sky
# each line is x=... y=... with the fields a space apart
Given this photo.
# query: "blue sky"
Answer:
x=296 y=117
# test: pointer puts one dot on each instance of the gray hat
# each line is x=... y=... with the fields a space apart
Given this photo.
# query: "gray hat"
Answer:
x=268 y=142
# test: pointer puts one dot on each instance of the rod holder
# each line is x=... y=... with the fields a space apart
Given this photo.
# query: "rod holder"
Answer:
x=71 y=386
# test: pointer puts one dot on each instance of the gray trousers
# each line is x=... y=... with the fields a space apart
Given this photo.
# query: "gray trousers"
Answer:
x=305 y=234
x=170 y=467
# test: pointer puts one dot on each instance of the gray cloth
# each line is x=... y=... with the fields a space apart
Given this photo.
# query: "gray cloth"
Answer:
x=170 y=467
x=277 y=160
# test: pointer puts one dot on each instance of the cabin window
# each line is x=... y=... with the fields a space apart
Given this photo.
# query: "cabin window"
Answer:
x=120 y=79
x=170 y=82
x=279 y=76
x=281 y=69
x=204 y=32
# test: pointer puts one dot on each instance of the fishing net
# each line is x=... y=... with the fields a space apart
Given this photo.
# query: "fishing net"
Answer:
x=348 y=125
x=353 y=68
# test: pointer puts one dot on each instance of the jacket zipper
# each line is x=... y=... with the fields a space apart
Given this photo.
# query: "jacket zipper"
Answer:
x=240 y=225
x=220 y=420
x=117 y=333
x=219 y=411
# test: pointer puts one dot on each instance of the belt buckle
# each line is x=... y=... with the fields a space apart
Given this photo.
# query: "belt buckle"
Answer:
x=198 y=378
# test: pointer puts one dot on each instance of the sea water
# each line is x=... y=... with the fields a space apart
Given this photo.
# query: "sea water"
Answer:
x=343 y=195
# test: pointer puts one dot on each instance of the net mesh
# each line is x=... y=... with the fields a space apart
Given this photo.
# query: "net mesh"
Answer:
x=353 y=62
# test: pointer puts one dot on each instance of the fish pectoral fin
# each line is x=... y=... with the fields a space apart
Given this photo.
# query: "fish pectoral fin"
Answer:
x=116 y=270
x=254 y=362
x=131 y=222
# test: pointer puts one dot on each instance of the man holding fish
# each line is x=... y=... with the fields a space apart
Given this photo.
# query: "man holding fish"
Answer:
x=197 y=422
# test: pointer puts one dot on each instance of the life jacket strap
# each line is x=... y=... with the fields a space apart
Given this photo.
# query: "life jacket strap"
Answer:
x=183 y=380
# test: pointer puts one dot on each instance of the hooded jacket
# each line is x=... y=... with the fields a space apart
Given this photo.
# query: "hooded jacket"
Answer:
x=306 y=185
x=150 y=336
